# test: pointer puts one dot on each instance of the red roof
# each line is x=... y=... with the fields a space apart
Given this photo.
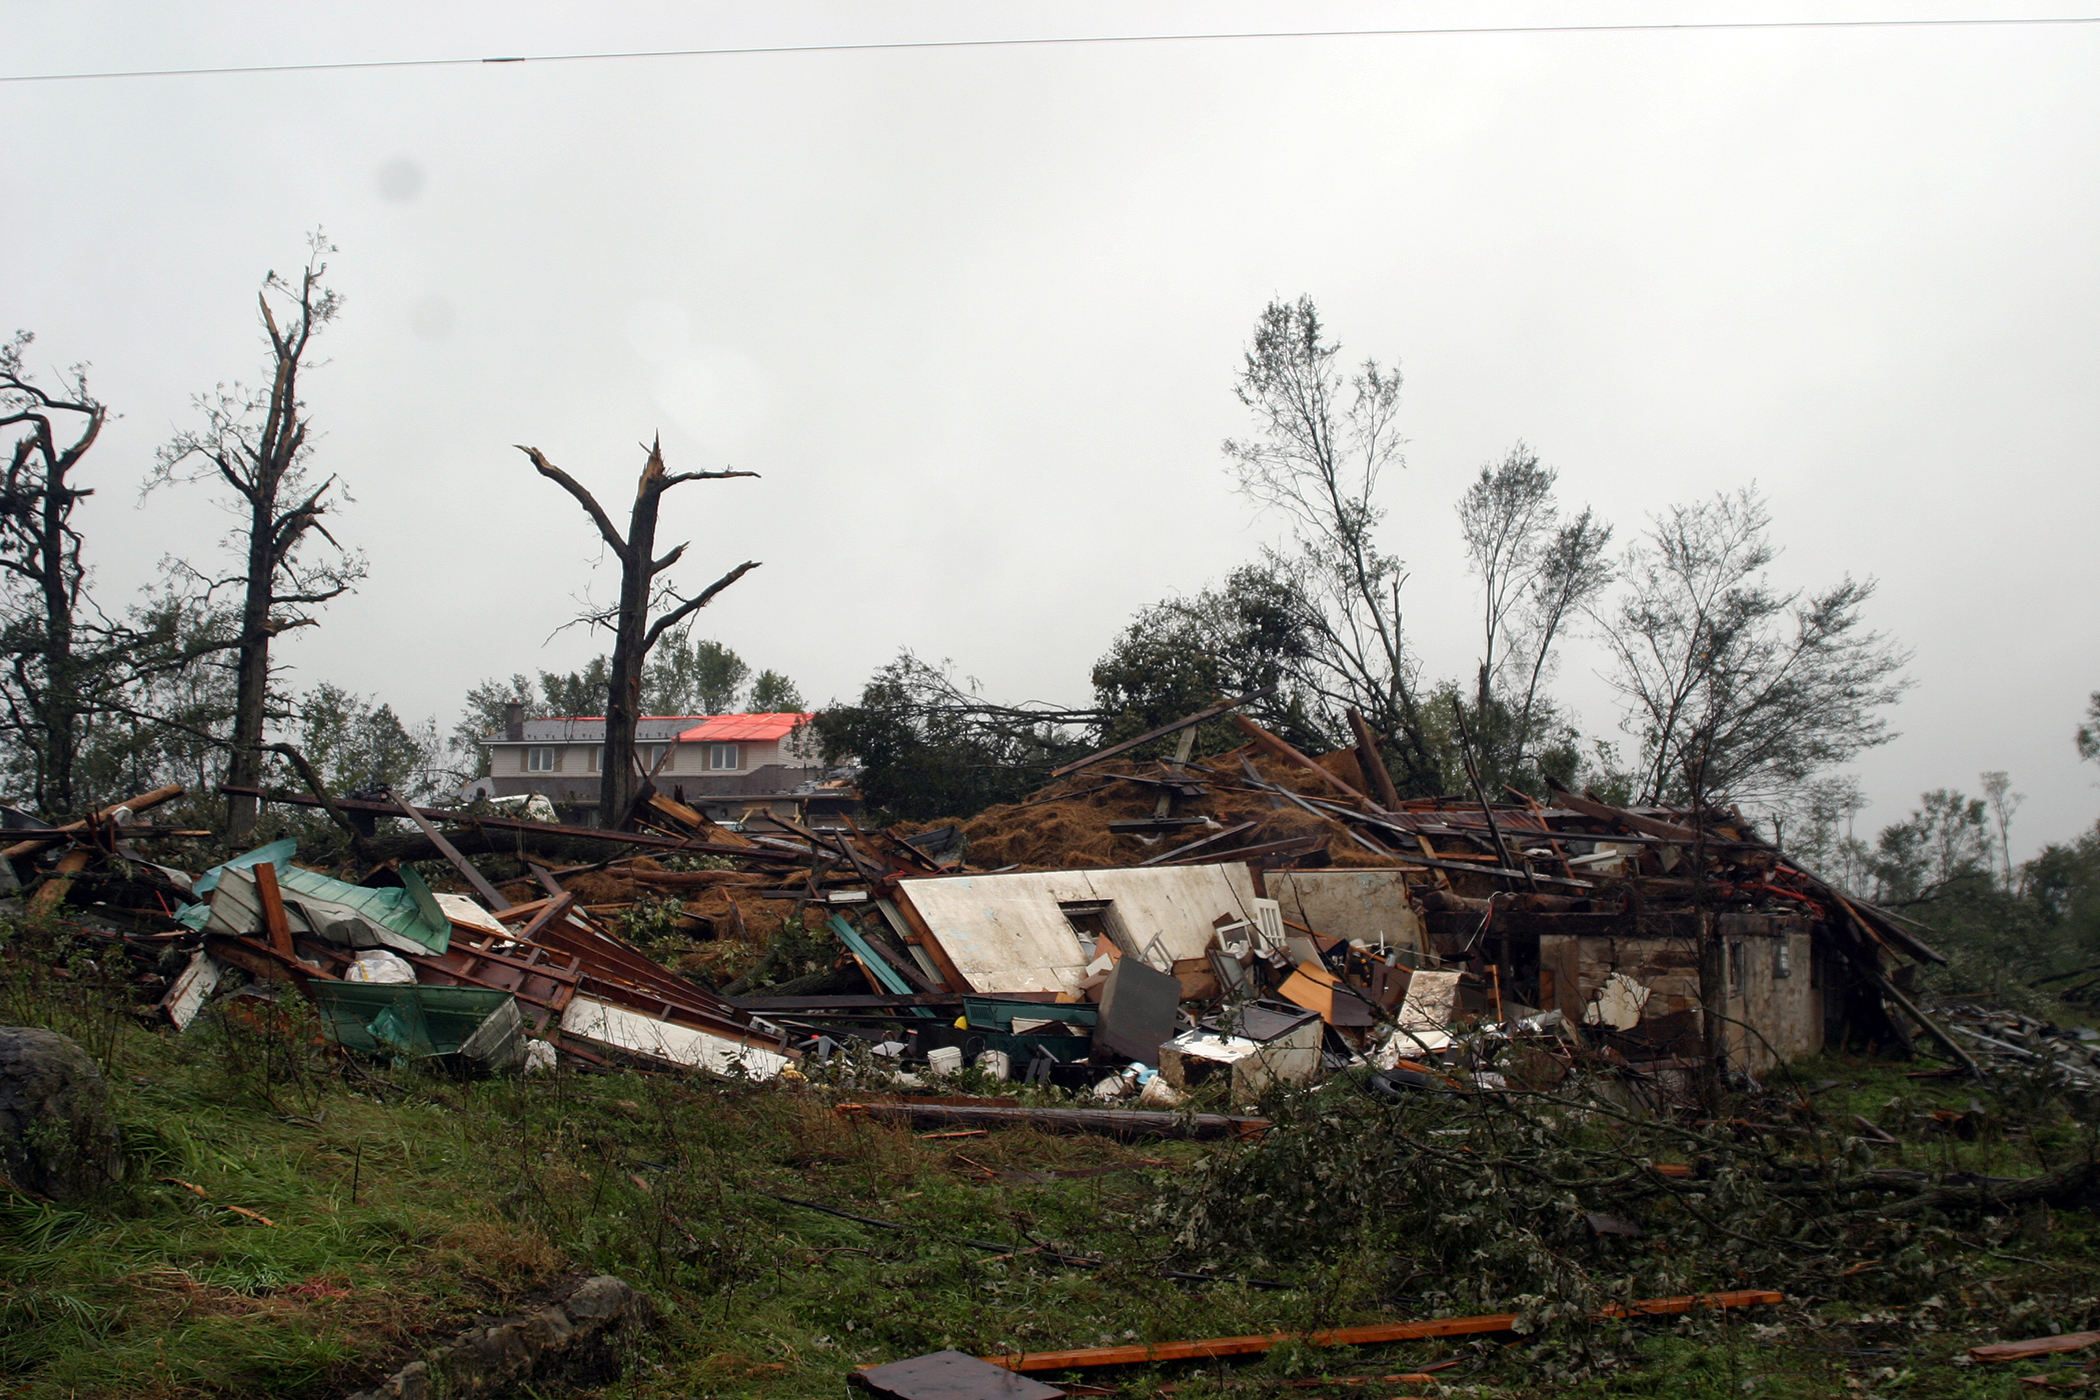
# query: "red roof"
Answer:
x=726 y=728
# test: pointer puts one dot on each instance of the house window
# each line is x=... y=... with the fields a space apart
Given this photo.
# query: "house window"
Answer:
x=653 y=754
x=725 y=756
x=539 y=760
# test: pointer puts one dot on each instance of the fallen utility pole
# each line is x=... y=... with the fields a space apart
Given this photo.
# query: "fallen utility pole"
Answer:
x=1370 y=1335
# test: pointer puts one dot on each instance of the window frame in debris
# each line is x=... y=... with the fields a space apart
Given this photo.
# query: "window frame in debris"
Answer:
x=535 y=753
x=714 y=758
x=1093 y=919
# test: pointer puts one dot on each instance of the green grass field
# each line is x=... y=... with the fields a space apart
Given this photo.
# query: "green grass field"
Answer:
x=402 y=1205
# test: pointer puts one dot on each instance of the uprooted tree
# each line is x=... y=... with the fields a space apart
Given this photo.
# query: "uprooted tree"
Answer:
x=258 y=442
x=642 y=592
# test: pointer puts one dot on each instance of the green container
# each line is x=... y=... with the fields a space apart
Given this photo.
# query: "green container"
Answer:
x=1065 y=1049
x=407 y=1018
x=996 y=1014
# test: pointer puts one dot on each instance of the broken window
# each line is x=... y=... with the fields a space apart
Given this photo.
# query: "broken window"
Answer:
x=1088 y=917
x=539 y=760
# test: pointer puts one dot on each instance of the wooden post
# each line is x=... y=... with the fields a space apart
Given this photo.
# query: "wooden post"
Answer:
x=274 y=921
x=1377 y=777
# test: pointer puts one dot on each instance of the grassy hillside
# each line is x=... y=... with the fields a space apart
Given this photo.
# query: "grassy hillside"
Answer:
x=401 y=1205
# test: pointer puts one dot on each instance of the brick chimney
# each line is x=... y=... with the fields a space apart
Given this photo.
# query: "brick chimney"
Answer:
x=514 y=721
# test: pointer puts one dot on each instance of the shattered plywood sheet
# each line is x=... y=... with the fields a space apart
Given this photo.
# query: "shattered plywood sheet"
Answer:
x=605 y=1024
x=1010 y=933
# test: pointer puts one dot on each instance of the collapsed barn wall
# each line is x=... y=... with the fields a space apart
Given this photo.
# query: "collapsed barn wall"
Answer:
x=1015 y=933
x=1373 y=906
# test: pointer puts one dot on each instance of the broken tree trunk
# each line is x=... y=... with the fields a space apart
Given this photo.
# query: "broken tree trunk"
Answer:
x=620 y=781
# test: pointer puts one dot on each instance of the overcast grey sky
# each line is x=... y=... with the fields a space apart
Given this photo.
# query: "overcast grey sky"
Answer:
x=974 y=313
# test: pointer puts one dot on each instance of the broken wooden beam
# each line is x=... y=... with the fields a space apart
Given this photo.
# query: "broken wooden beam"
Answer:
x=474 y=877
x=1268 y=743
x=1200 y=717
x=1376 y=774
x=58 y=835
x=2038 y=1346
x=475 y=819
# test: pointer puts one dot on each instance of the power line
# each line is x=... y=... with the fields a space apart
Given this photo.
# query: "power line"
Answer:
x=1066 y=40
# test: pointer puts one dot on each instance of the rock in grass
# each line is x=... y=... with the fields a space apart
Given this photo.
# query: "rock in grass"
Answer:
x=57 y=1138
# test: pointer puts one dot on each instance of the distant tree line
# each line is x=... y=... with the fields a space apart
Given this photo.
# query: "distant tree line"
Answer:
x=1733 y=689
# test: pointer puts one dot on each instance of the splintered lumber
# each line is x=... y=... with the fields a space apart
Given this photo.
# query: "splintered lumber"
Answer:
x=2038 y=1346
x=1370 y=1335
x=475 y=819
x=482 y=887
x=1111 y=1122
x=55 y=888
x=1368 y=759
x=1216 y=841
x=1162 y=732
x=59 y=835
x=1268 y=743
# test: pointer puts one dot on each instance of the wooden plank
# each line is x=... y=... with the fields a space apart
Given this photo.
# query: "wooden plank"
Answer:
x=1270 y=744
x=58 y=835
x=272 y=900
x=1199 y=844
x=1370 y=1335
x=450 y=852
x=60 y=881
x=1368 y=759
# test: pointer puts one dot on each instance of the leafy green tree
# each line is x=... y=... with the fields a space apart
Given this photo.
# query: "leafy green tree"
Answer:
x=1182 y=654
x=774 y=694
x=357 y=745
x=931 y=746
x=1735 y=690
x=1323 y=438
x=577 y=693
x=482 y=717
x=1538 y=569
x=692 y=676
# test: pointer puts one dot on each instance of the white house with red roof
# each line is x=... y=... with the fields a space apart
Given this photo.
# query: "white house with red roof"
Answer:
x=727 y=766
